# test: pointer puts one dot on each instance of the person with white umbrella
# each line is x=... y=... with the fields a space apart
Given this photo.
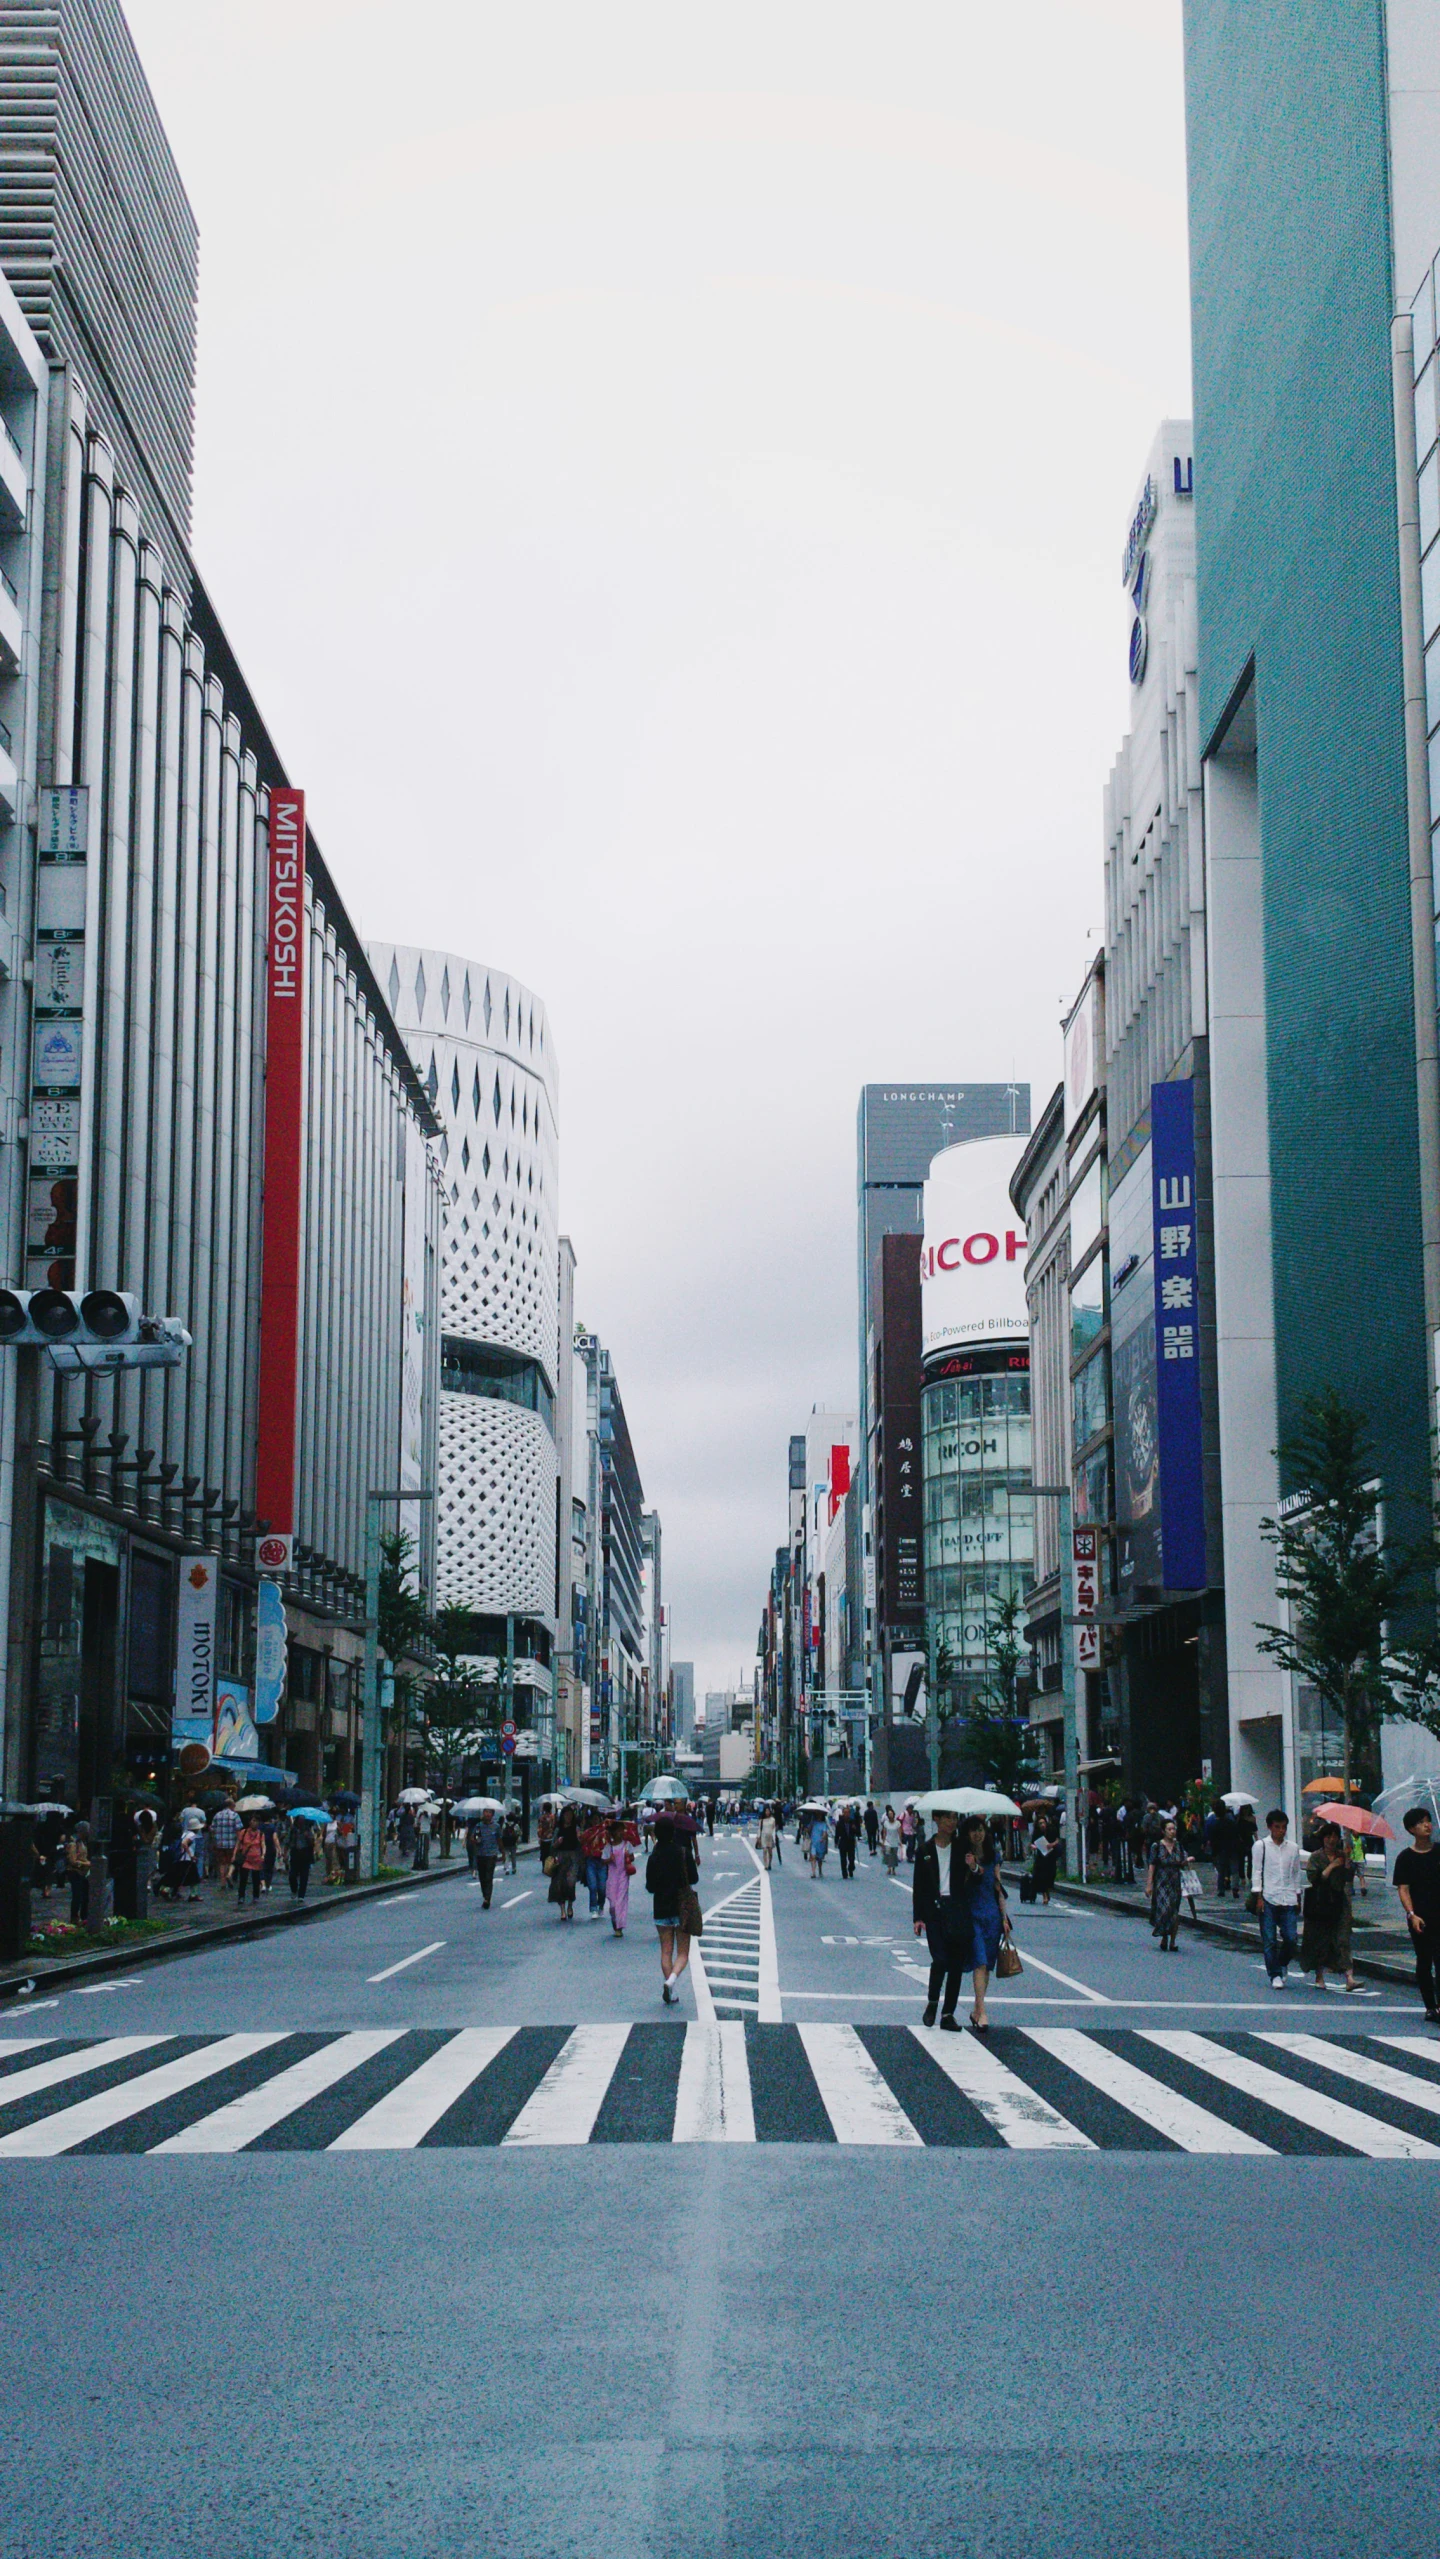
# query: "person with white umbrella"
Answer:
x=940 y=1908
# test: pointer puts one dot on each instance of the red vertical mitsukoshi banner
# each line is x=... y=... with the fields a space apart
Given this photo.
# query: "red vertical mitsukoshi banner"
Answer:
x=284 y=1092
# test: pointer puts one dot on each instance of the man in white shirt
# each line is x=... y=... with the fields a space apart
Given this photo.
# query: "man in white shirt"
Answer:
x=1277 y=1876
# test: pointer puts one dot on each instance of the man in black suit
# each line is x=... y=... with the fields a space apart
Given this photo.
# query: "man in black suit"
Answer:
x=941 y=1906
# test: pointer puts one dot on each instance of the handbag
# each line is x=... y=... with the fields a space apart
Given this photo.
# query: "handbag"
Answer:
x=549 y=1866
x=692 y=1918
x=1190 y=1884
x=1007 y=1962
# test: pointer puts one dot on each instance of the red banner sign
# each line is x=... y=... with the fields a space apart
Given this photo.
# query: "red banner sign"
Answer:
x=284 y=1091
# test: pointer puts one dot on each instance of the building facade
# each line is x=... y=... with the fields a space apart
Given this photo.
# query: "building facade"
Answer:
x=1314 y=189
x=138 y=871
x=482 y=1048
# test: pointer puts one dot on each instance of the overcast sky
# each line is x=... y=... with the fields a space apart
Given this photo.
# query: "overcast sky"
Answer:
x=664 y=470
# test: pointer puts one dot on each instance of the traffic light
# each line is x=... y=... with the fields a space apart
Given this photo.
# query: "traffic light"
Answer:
x=102 y=1330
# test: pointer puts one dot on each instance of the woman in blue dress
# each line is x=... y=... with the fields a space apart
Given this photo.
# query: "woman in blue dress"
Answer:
x=990 y=1919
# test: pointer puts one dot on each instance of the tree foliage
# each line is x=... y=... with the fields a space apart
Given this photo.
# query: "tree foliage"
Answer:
x=998 y=1736
x=1340 y=1585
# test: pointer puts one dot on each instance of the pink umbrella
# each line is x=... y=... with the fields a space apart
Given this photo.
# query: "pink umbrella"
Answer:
x=1354 y=1817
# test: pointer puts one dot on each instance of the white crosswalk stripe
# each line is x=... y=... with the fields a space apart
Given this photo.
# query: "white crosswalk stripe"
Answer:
x=570 y=2096
x=49 y=2074
x=713 y=2100
x=1323 y=2114
x=97 y=2114
x=401 y=2120
x=1190 y=2126
x=1022 y=2119
x=856 y=2098
x=260 y=2109
x=736 y=2082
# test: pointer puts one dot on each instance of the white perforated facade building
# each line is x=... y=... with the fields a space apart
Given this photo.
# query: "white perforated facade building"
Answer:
x=481 y=1046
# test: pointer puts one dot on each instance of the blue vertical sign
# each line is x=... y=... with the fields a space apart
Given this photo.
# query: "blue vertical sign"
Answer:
x=1177 y=1334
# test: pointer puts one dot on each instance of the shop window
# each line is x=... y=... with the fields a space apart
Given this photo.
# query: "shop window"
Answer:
x=152 y=1651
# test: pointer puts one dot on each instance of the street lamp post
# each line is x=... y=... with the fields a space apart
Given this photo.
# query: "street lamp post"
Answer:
x=372 y=1793
x=1061 y=1493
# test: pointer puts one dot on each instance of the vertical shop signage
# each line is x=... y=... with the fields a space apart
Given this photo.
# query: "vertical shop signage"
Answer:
x=58 y=1036
x=1177 y=1335
x=271 y=1652
x=194 y=1719
x=284 y=1088
x=1085 y=1550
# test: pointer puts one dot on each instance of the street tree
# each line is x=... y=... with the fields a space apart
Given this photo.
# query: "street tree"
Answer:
x=1341 y=1584
x=998 y=1737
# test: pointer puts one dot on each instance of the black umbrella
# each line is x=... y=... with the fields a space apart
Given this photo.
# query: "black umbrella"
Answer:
x=344 y=1802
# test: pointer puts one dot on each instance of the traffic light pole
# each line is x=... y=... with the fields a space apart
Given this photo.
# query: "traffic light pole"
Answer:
x=372 y=1791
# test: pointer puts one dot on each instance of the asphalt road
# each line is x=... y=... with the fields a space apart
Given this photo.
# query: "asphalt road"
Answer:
x=433 y=2230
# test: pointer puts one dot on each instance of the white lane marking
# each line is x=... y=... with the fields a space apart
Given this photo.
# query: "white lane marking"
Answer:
x=32 y=2004
x=1323 y=2114
x=407 y=1960
x=1424 y=2047
x=700 y=1979
x=402 y=2119
x=93 y=1989
x=1033 y=1961
x=907 y=1999
x=231 y=2127
x=1192 y=2126
x=49 y=2074
x=712 y=2099
x=516 y=1897
x=1020 y=2117
x=1361 y=2067
x=23 y=2043
x=56 y=2133
x=569 y=2097
x=768 y=1993
x=860 y=2104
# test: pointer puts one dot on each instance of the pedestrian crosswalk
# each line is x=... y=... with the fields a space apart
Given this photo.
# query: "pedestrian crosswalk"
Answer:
x=1033 y=2089
x=730 y=1952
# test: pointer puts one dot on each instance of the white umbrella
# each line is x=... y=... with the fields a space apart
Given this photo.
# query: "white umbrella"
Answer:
x=255 y=1804
x=969 y=1799
x=413 y=1795
x=192 y=1818
x=1237 y=1796
x=472 y=1806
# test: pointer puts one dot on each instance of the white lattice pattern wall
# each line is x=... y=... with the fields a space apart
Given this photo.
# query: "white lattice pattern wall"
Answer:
x=482 y=1048
x=495 y=1536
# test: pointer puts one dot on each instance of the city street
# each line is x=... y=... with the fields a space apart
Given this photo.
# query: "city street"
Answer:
x=452 y=2233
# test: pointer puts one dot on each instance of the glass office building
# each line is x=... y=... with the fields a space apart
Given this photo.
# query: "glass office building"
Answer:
x=979 y=1537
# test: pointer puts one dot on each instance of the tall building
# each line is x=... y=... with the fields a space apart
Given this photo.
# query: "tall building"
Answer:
x=901 y=1128
x=177 y=1131
x=979 y=1511
x=482 y=1049
x=1314 y=199
x=619 y=1738
x=682 y=1679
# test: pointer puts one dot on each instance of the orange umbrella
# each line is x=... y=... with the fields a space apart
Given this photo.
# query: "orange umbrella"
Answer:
x=1324 y=1786
x=1354 y=1817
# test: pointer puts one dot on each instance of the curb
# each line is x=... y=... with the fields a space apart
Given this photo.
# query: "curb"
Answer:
x=226 y=1932
x=1094 y=1896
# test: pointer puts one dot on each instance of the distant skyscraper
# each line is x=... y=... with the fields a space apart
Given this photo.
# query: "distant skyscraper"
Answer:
x=901 y=1129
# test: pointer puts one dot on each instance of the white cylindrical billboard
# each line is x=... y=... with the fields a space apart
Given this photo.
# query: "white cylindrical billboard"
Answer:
x=972 y=1264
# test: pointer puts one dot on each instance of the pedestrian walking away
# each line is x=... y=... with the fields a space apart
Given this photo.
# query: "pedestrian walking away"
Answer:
x=487 y=1850
x=819 y=1843
x=1417 y=1881
x=1162 y=1884
x=300 y=1858
x=1278 y=1878
x=563 y=1861
x=1325 y=1939
x=77 y=1869
x=620 y=1847
x=224 y=1831
x=847 y=1840
x=989 y=1912
x=766 y=1836
x=250 y=1859
x=672 y=1872
x=510 y=1844
x=872 y=1828
x=592 y=1849
x=941 y=1914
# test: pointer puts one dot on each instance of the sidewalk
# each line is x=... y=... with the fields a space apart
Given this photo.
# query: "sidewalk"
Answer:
x=1380 y=1939
x=187 y=1928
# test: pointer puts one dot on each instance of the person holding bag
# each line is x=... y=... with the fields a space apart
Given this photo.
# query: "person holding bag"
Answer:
x=989 y=1913
x=1325 y=1936
x=672 y=1872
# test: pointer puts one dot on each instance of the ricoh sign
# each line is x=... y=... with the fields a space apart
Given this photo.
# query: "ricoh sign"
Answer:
x=972 y=1261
